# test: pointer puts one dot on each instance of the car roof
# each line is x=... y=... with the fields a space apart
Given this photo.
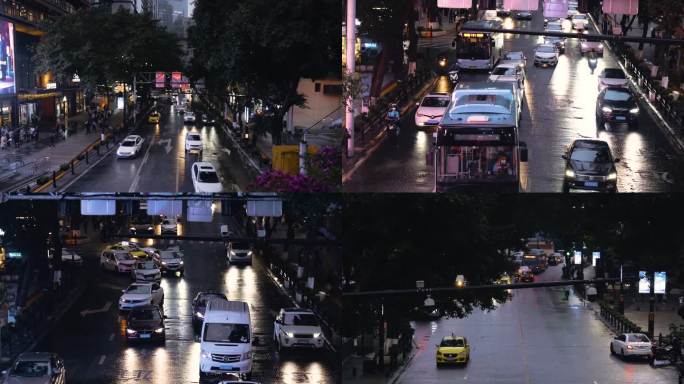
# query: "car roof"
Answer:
x=546 y=45
x=33 y=356
x=205 y=165
x=297 y=310
x=140 y=283
x=510 y=64
x=132 y=137
x=589 y=143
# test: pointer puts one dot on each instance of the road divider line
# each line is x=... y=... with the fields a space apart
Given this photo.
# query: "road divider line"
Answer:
x=136 y=178
x=102 y=359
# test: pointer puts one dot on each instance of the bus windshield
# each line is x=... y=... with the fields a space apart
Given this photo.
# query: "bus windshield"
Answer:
x=474 y=48
x=478 y=162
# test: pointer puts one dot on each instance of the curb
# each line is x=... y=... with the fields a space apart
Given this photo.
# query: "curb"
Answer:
x=400 y=371
x=663 y=125
x=372 y=145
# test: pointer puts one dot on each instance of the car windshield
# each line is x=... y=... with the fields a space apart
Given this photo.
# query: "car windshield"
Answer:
x=144 y=315
x=128 y=143
x=194 y=137
x=240 y=245
x=30 y=369
x=300 y=319
x=139 y=289
x=146 y=265
x=452 y=343
x=591 y=155
x=124 y=256
x=613 y=73
x=638 y=339
x=438 y=102
x=473 y=48
x=202 y=301
x=503 y=71
x=230 y=333
x=208 y=177
x=546 y=49
x=169 y=255
x=617 y=95
x=513 y=56
x=141 y=220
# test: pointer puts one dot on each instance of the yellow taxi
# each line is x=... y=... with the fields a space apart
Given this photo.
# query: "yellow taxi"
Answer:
x=139 y=254
x=154 y=117
x=453 y=350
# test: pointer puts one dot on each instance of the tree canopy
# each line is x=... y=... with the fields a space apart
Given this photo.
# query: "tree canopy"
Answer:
x=264 y=47
x=103 y=48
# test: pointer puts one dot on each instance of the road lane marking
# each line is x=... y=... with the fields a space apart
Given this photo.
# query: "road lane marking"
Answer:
x=105 y=308
x=102 y=359
x=111 y=336
x=136 y=178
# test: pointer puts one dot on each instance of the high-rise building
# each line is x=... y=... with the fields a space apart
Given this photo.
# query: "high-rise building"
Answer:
x=151 y=7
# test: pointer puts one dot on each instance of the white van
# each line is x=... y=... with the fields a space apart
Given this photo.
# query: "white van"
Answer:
x=225 y=340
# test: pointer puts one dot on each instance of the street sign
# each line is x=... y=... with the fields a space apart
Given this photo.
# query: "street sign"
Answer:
x=644 y=282
x=578 y=258
x=176 y=79
x=521 y=5
x=595 y=256
x=660 y=282
x=625 y=7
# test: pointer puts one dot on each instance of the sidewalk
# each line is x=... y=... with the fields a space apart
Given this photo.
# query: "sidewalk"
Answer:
x=18 y=166
x=370 y=135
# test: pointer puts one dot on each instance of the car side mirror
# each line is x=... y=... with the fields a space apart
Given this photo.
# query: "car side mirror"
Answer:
x=617 y=160
x=564 y=157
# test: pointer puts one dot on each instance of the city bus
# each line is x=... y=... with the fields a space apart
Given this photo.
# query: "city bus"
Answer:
x=476 y=145
x=479 y=50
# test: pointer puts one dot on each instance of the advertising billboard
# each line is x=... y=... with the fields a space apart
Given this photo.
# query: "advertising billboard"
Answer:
x=578 y=258
x=660 y=281
x=644 y=282
x=160 y=80
x=7 y=77
x=176 y=79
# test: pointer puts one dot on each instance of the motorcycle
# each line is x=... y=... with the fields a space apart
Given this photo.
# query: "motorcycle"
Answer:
x=393 y=129
x=453 y=76
x=662 y=355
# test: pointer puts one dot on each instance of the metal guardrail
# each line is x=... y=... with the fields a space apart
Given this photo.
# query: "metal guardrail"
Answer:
x=618 y=320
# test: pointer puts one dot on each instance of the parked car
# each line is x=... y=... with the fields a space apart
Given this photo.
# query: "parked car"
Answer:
x=297 y=328
x=631 y=344
x=36 y=368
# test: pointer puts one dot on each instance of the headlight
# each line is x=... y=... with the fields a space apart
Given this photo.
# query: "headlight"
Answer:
x=607 y=109
x=205 y=354
x=289 y=334
x=600 y=45
x=200 y=315
x=634 y=110
x=317 y=335
x=130 y=331
x=232 y=253
x=246 y=356
x=132 y=228
x=569 y=173
x=159 y=330
x=150 y=228
x=181 y=262
x=249 y=253
x=612 y=176
x=163 y=262
x=121 y=300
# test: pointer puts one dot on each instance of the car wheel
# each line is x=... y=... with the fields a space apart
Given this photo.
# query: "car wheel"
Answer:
x=566 y=188
x=248 y=375
x=622 y=354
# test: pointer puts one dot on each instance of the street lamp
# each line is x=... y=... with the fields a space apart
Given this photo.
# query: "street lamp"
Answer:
x=66 y=116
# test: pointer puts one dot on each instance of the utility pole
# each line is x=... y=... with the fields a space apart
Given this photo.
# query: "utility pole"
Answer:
x=651 y=305
x=381 y=337
x=621 y=303
x=351 y=68
x=135 y=97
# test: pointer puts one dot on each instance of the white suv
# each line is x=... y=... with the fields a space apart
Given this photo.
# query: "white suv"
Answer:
x=146 y=271
x=140 y=295
x=297 y=328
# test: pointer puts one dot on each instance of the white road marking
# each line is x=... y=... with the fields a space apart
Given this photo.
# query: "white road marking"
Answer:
x=168 y=146
x=136 y=178
x=226 y=150
x=102 y=359
x=111 y=337
x=465 y=377
x=104 y=308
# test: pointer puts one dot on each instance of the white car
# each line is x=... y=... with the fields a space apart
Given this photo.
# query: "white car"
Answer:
x=546 y=54
x=189 y=117
x=117 y=260
x=130 y=146
x=297 y=328
x=141 y=294
x=239 y=252
x=431 y=109
x=515 y=56
x=193 y=142
x=631 y=344
x=181 y=108
x=559 y=42
x=580 y=21
x=612 y=77
x=508 y=72
x=587 y=46
x=205 y=179
x=146 y=271
x=169 y=225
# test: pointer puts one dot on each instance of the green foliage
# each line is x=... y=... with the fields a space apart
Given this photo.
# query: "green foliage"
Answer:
x=103 y=48
x=264 y=47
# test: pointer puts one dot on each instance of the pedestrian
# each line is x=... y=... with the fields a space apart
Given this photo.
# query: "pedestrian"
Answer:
x=673 y=58
x=53 y=138
x=3 y=141
x=676 y=349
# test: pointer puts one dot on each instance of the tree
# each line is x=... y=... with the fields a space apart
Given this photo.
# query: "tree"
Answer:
x=104 y=48
x=265 y=53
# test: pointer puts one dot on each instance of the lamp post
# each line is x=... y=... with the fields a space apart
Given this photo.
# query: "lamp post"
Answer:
x=351 y=68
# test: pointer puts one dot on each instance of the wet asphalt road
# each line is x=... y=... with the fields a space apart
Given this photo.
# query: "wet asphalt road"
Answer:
x=537 y=337
x=96 y=352
x=559 y=107
x=163 y=165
